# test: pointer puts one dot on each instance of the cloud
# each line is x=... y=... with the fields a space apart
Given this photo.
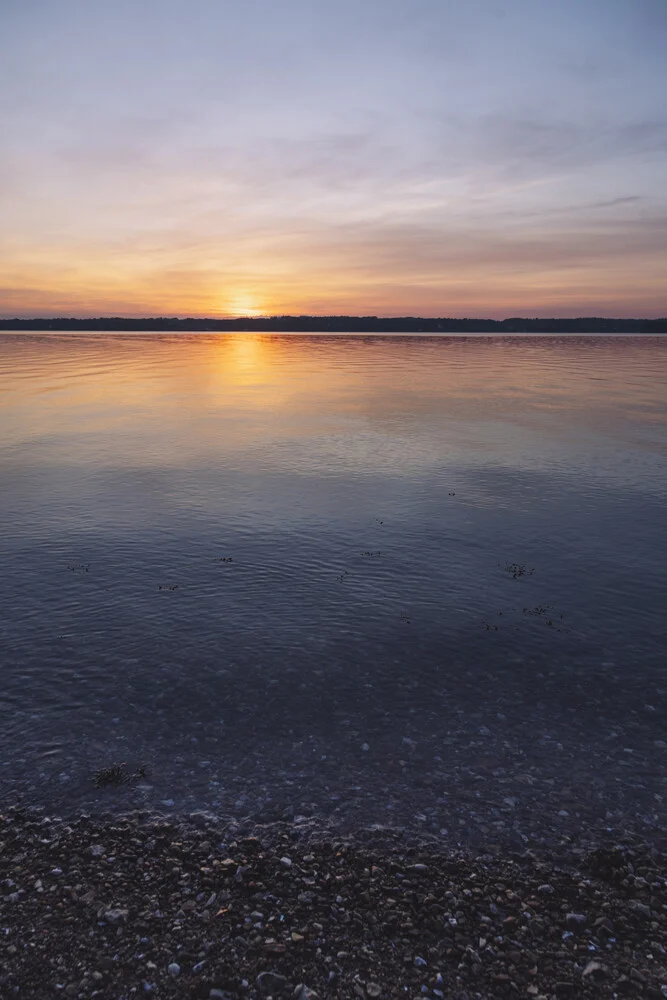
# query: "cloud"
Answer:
x=330 y=151
x=524 y=146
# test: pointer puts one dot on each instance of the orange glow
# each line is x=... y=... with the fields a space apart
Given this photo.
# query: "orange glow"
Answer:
x=172 y=400
x=243 y=303
x=266 y=279
x=245 y=361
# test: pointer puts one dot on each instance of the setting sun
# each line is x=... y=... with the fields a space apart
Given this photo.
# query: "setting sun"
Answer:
x=243 y=304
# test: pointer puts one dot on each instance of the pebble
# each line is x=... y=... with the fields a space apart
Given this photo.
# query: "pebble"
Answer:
x=493 y=926
x=271 y=981
x=594 y=969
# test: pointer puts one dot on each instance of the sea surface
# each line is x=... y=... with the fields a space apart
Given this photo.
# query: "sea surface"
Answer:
x=391 y=581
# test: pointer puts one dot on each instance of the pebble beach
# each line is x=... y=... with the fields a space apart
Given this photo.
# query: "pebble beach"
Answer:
x=143 y=905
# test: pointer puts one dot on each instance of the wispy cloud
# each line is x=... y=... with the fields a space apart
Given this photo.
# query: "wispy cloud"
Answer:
x=354 y=154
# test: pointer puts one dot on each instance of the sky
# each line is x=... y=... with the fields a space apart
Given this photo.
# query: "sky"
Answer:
x=386 y=157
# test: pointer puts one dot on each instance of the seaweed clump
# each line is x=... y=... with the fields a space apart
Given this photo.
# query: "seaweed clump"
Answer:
x=116 y=775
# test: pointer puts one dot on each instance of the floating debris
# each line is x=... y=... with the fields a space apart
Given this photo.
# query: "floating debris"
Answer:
x=539 y=611
x=517 y=570
x=546 y=613
x=542 y=612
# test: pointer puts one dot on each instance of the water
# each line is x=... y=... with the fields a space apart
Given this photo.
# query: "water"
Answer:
x=389 y=580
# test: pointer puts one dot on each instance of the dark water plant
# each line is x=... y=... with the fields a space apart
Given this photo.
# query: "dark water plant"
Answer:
x=116 y=775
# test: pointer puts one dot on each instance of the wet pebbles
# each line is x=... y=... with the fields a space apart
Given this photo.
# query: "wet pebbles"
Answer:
x=142 y=906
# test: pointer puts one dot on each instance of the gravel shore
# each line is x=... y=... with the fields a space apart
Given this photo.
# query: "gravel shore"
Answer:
x=146 y=906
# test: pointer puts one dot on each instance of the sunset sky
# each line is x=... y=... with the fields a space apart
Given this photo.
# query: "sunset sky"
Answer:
x=247 y=157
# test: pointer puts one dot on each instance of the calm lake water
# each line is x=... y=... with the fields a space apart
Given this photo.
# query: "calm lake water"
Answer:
x=391 y=580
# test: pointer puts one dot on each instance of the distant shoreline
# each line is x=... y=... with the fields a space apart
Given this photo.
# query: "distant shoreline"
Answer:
x=338 y=324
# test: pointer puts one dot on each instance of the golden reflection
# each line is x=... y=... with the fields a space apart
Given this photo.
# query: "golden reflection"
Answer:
x=246 y=359
x=167 y=401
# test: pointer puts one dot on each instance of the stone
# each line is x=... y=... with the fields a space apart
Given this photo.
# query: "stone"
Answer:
x=594 y=969
x=173 y=969
x=115 y=916
x=271 y=982
x=373 y=989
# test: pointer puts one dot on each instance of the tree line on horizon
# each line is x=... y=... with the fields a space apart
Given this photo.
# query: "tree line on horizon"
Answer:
x=341 y=324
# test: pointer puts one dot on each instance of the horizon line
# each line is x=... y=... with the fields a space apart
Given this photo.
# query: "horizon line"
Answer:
x=412 y=317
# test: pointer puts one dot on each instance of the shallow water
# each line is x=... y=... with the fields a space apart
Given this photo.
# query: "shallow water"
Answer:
x=374 y=579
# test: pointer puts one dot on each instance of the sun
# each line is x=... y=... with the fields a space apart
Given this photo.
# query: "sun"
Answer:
x=243 y=304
